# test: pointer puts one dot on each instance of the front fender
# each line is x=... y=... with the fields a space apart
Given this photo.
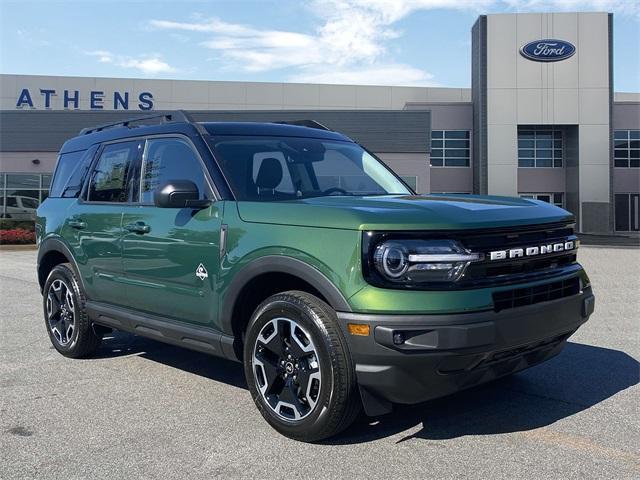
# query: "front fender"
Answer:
x=278 y=264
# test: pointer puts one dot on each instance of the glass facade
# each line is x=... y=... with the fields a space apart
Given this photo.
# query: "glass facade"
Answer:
x=626 y=148
x=540 y=147
x=21 y=193
x=556 y=198
x=627 y=212
x=450 y=148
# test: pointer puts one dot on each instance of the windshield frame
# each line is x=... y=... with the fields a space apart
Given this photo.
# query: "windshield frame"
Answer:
x=211 y=141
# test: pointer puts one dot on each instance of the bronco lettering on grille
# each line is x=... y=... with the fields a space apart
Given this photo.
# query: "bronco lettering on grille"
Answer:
x=564 y=246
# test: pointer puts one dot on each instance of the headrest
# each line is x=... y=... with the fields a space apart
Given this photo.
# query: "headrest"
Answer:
x=270 y=174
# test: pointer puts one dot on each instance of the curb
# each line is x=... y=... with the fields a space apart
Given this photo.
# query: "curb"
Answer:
x=18 y=248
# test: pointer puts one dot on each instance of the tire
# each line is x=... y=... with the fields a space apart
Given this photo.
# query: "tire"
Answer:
x=320 y=368
x=65 y=315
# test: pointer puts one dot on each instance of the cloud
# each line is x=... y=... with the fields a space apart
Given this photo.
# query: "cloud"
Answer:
x=378 y=74
x=148 y=64
x=350 y=42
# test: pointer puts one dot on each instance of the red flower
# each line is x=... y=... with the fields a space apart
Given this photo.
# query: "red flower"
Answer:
x=17 y=236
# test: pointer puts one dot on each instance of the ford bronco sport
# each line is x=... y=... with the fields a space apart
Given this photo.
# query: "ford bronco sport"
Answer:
x=294 y=250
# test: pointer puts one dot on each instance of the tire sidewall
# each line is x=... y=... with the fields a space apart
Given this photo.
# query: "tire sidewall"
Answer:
x=280 y=306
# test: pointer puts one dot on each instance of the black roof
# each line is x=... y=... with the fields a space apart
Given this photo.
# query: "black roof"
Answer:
x=270 y=129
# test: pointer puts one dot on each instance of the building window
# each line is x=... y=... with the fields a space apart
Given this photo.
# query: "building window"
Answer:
x=21 y=193
x=450 y=148
x=556 y=198
x=540 y=148
x=626 y=148
x=627 y=207
x=412 y=181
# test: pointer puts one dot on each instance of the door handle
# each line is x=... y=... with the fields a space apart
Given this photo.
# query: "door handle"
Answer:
x=138 y=227
x=77 y=224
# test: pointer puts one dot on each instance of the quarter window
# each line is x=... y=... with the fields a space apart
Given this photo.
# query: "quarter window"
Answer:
x=112 y=175
x=541 y=148
x=450 y=148
x=626 y=148
x=168 y=159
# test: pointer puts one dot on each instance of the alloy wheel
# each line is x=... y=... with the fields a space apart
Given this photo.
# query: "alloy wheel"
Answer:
x=61 y=312
x=287 y=369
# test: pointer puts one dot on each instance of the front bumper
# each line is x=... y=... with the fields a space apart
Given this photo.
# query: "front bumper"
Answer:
x=435 y=355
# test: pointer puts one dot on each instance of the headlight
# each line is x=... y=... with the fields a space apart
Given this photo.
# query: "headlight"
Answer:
x=414 y=261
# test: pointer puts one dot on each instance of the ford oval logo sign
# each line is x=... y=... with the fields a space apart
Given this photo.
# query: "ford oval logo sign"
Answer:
x=549 y=50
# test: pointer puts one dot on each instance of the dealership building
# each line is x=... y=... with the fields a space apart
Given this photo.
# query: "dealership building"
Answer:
x=540 y=120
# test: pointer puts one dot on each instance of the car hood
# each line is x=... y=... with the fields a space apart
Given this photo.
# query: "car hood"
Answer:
x=404 y=212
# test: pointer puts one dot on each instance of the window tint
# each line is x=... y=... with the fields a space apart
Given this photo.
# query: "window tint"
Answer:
x=288 y=168
x=67 y=163
x=168 y=159
x=261 y=167
x=71 y=170
x=111 y=176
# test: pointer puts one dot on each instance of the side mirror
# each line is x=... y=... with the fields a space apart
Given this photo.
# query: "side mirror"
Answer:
x=179 y=194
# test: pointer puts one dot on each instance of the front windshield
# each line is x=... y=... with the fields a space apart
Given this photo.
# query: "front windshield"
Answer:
x=265 y=168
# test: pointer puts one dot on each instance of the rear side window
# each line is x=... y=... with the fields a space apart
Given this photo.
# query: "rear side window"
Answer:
x=113 y=173
x=69 y=185
x=67 y=164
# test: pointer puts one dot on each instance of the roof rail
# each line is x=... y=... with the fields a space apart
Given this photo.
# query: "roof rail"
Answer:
x=175 y=116
x=306 y=123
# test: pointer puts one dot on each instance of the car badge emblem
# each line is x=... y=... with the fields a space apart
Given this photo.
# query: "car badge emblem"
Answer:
x=201 y=272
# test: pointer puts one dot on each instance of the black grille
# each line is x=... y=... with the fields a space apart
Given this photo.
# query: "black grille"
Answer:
x=521 y=268
x=521 y=297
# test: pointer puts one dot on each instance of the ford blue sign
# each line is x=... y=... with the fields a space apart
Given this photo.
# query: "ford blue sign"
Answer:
x=549 y=50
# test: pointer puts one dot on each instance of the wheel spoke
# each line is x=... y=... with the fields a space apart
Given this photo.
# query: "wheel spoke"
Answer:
x=53 y=307
x=290 y=396
x=273 y=380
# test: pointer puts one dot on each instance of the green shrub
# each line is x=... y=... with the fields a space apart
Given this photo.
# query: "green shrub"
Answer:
x=7 y=224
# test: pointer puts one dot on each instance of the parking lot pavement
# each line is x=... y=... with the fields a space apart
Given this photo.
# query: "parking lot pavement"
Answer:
x=141 y=409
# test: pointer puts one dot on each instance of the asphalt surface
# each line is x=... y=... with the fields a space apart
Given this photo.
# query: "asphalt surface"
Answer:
x=141 y=409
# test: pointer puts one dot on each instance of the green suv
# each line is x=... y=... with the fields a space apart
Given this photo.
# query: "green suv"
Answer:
x=292 y=249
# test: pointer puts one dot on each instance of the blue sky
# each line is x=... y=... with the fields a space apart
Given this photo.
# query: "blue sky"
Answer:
x=383 y=42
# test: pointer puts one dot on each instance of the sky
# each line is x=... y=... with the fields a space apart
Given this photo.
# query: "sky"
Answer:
x=375 y=42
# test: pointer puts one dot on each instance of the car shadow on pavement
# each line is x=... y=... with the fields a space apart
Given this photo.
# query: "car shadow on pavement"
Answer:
x=580 y=377
x=118 y=344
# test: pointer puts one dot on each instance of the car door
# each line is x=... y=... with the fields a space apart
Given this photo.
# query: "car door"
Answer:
x=93 y=227
x=171 y=255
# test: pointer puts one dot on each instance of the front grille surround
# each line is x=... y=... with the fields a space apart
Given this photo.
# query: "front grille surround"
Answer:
x=487 y=273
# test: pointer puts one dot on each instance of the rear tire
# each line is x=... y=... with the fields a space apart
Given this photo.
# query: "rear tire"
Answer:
x=299 y=369
x=65 y=315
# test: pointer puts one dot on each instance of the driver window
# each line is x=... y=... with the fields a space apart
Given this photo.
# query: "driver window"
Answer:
x=167 y=159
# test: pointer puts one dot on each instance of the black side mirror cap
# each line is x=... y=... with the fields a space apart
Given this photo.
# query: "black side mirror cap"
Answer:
x=179 y=194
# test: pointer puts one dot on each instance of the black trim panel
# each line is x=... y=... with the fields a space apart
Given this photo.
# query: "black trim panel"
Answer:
x=279 y=264
x=54 y=244
x=201 y=339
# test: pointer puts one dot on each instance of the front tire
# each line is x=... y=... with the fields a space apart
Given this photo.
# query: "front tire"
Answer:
x=298 y=367
x=66 y=320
